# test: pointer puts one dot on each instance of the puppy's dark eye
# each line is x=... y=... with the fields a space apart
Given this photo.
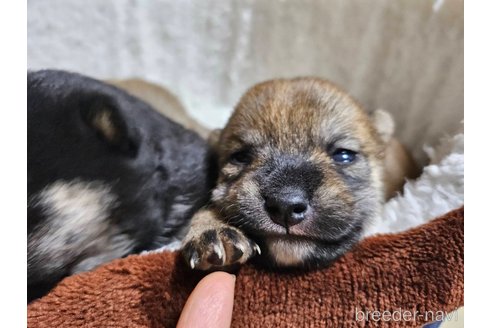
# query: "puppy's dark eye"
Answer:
x=343 y=156
x=242 y=157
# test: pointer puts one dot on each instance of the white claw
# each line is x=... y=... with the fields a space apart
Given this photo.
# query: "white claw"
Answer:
x=218 y=251
x=257 y=249
x=192 y=263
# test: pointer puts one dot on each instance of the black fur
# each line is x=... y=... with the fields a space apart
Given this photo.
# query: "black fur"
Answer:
x=149 y=162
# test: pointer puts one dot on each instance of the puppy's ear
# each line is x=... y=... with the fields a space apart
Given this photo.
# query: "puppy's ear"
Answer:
x=104 y=117
x=384 y=124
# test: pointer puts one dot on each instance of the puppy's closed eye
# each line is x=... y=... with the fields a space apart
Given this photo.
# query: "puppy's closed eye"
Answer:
x=241 y=157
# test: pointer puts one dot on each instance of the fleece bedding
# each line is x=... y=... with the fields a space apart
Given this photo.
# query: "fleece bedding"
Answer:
x=419 y=271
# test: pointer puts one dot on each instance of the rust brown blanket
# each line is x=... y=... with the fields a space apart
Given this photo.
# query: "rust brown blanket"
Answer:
x=418 y=270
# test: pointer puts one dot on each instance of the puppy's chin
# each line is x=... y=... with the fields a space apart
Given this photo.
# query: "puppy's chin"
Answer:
x=300 y=252
x=289 y=252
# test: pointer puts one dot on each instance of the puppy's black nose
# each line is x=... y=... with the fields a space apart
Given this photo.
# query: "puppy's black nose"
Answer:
x=287 y=207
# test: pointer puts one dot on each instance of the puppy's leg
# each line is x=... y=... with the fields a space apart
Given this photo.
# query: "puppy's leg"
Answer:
x=210 y=243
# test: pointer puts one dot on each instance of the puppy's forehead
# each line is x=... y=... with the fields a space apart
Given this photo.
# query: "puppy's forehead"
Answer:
x=296 y=113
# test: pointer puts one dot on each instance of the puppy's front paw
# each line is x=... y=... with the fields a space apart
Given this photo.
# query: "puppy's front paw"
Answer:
x=218 y=247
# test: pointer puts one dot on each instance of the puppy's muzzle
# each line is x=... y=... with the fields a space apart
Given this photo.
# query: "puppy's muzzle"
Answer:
x=288 y=185
x=287 y=207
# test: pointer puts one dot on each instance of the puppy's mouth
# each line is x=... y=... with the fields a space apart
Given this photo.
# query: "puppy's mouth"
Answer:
x=318 y=225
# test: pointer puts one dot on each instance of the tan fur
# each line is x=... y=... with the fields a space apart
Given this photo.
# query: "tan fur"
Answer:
x=288 y=254
x=162 y=100
x=310 y=116
x=203 y=220
x=103 y=122
x=399 y=166
x=398 y=163
x=71 y=205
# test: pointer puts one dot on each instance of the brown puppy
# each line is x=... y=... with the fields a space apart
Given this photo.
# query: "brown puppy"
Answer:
x=301 y=175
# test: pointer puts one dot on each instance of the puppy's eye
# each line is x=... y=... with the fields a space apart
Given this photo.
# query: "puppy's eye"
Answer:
x=242 y=157
x=343 y=156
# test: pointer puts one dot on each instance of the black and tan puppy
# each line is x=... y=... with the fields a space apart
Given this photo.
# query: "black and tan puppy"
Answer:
x=301 y=175
x=107 y=176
